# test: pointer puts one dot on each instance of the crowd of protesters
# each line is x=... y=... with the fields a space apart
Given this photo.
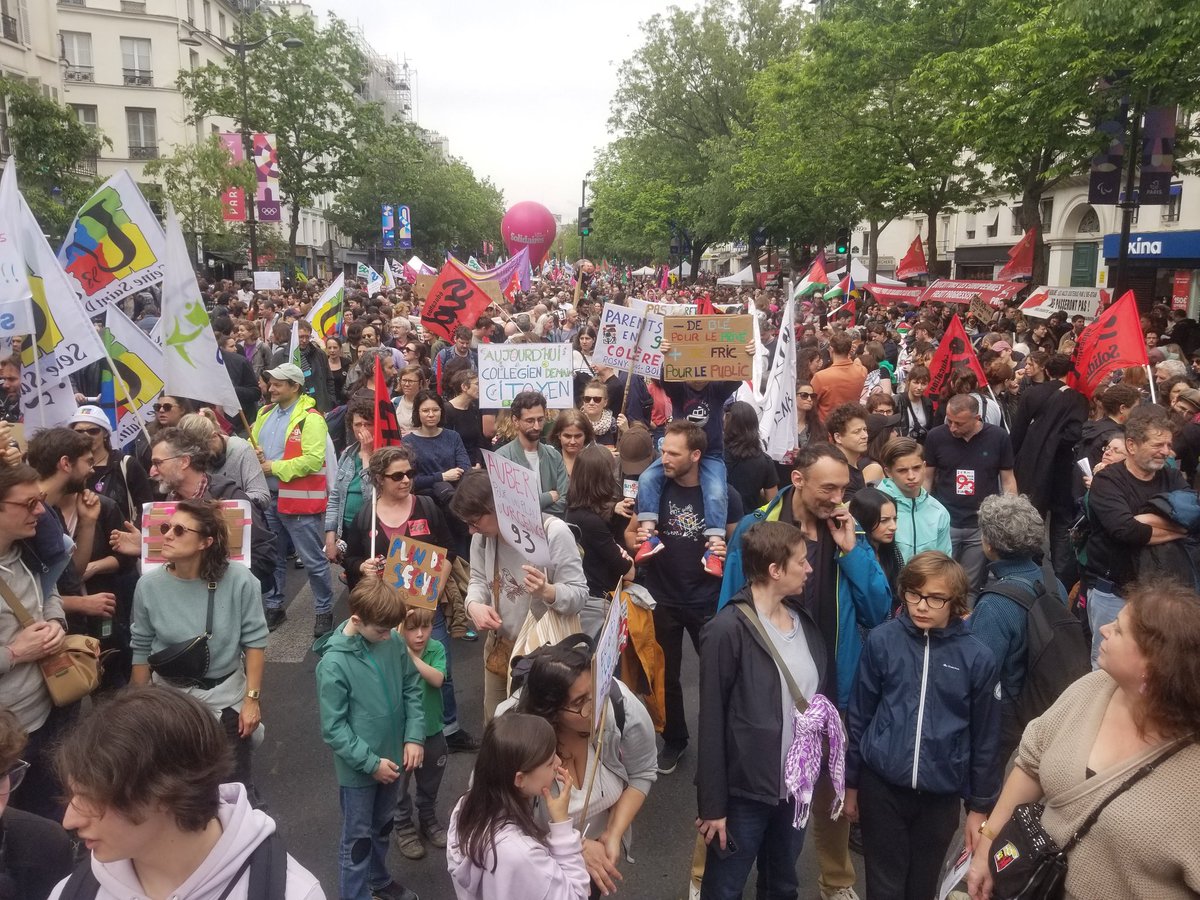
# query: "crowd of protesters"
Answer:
x=857 y=606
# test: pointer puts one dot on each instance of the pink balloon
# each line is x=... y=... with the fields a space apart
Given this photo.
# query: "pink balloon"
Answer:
x=528 y=224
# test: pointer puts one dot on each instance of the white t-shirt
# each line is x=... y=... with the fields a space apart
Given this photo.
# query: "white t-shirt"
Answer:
x=532 y=457
x=792 y=648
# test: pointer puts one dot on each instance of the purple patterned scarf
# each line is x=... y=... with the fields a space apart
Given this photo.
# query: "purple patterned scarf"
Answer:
x=803 y=764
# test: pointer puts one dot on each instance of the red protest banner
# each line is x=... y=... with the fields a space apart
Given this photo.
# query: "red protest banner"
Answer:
x=1020 y=258
x=1114 y=341
x=888 y=294
x=954 y=352
x=948 y=290
x=913 y=263
x=454 y=299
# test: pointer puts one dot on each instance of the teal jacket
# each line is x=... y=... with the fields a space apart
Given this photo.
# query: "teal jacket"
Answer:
x=862 y=593
x=552 y=474
x=370 y=697
x=921 y=524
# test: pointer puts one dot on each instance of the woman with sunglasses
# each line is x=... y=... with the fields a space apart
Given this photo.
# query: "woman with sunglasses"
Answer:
x=605 y=426
x=114 y=475
x=171 y=607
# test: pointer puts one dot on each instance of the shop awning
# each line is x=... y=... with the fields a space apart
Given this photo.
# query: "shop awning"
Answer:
x=948 y=290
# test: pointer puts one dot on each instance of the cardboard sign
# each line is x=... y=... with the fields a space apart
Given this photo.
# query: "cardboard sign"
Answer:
x=237 y=520
x=609 y=644
x=268 y=281
x=417 y=570
x=980 y=310
x=506 y=370
x=518 y=508
x=708 y=348
x=422 y=285
x=624 y=342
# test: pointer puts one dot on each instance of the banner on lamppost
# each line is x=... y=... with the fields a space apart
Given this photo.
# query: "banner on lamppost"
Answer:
x=403 y=227
x=388 y=226
x=1158 y=155
x=266 y=172
x=233 y=199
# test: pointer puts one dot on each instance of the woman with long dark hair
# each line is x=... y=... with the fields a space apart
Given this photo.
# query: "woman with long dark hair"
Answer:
x=747 y=467
x=571 y=432
x=875 y=512
x=591 y=496
x=495 y=845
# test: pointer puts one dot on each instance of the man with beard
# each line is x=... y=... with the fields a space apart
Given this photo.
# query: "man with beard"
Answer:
x=10 y=396
x=529 y=413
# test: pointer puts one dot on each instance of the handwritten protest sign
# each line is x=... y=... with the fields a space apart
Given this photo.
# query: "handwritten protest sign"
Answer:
x=268 y=281
x=518 y=508
x=507 y=369
x=608 y=655
x=417 y=570
x=620 y=328
x=154 y=515
x=980 y=310
x=708 y=348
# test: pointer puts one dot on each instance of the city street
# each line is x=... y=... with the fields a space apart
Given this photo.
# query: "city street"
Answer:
x=294 y=773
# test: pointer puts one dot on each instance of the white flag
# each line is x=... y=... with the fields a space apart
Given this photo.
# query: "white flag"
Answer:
x=192 y=364
x=16 y=312
x=138 y=360
x=374 y=279
x=776 y=403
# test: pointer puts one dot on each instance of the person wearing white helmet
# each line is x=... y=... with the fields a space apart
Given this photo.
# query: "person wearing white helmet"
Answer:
x=114 y=475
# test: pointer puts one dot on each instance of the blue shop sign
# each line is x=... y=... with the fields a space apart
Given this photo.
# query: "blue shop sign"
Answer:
x=1155 y=245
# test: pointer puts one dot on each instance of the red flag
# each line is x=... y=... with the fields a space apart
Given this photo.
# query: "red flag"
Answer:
x=704 y=306
x=454 y=299
x=665 y=282
x=913 y=263
x=514 y=285
x=1020 y=259
x=954 y=352
x=387 y=428
x=1114 y=341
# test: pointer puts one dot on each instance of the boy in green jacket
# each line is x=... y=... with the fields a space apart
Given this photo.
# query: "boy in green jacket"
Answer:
x=372 y=717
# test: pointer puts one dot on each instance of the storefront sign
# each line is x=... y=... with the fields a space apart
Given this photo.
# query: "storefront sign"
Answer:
x=1181 y=289
x=1156 y=245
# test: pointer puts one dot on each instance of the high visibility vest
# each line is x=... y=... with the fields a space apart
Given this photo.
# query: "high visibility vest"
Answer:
x=309 y=493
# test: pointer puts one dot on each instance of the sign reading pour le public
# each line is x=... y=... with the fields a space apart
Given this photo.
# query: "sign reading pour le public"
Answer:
x=708 y=348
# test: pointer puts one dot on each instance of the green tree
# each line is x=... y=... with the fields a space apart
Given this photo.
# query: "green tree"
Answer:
x=52 y=151
x=193 y=178
x=306 y=96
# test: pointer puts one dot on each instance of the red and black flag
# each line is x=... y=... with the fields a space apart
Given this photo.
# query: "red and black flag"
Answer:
x=387 y=428
x=954 y=352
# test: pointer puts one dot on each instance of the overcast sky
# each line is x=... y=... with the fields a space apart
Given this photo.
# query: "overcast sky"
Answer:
x=521 y=89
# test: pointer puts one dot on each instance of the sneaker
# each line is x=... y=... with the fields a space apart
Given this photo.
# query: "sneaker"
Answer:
x=275 y=617
x=393 y=890
x=461 y=741
x=470 y=635
x=668 y=758
x=299 y=563
x=649 y=547
x=712 y=564
x=434 y=833
x=322 y=624
x=846 y=893
x=408 y=842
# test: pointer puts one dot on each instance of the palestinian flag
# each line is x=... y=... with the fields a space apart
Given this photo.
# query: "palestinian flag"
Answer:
x=814 y=279
x=844 y=288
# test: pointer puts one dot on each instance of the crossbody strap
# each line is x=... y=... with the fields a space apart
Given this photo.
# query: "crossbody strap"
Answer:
x=14 y=604
x=750 y=614
x=212 y=595
x=1137 y=776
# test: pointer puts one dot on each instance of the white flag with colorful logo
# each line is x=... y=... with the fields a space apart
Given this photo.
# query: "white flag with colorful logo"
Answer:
x=115 y=246
x=137 y=360
x=192 y=364
x=389 y=280
x=395 y=272
x=326 y=314
x=16 y=311
x=374 y=279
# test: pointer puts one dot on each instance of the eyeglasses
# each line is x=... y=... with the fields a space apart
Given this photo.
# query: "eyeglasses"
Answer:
x=593 y=399
x=805 y=395
x=91 y=432
x=11 y=780
x=580 y=707
x=163 y=407
x=176 y=529
x=157 y=463
x=935 y=601
x=406 y=475
x=31 y=505
x=409 y=381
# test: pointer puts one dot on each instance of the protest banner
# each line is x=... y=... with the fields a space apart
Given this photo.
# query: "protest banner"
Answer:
x=888 y=294
x=115 y=246
x=708 y=348
x=953 y=351
x=506 y=370
x=1114 y=341
x=518 y=508
x=236 y=514
x=946 y=290
x=423 y=284
x=607 y=656
x=268 y=281
x=417 y=570
x=454 y=299
x=1043 y=302
x=621 y=328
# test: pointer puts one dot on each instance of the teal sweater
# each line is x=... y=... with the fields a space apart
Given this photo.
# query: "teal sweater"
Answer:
x=921 y=524
x=370 y=697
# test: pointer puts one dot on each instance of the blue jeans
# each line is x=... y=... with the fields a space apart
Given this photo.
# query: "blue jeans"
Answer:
x=713 y=487
x=1102 y=608
x=367 y=814
x=307 y=533
x=762 y=832
x=449 y=704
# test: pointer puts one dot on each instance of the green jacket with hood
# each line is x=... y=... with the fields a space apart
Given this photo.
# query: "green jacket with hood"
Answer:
x=370 y=697
x=921 y=524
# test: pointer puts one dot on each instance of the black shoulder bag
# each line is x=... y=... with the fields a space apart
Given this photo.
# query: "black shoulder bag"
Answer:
x=1026 y=863
x=185 y=663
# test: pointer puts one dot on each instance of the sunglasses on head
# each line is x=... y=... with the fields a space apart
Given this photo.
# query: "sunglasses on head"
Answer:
x=406 y=475
x=176 y=529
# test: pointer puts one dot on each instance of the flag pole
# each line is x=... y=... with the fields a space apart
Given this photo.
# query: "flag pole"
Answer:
x=1003 y=418
x=1150 y=378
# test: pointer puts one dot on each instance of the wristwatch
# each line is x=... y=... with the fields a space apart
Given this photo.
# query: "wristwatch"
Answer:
x=253 y=695
x=985 y=831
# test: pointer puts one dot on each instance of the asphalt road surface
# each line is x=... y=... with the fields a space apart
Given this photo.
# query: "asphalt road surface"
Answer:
x=294 y=773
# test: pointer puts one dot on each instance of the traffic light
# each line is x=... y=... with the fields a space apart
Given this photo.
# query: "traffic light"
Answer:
x=843 y=242
x=585 y=221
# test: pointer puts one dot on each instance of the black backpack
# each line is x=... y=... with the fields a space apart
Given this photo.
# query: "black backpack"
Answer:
x=1057 y=652
x=267 y=864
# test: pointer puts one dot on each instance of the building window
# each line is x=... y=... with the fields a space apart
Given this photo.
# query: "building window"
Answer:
x=207 y=16
x=143 y=133
x=992 y=219
x=86 y=115
x=969 y=225
x=135 y=60
x=1047 y=215
x=221 y=24
x=1018 y=220
x=191 y=12
x=77 y=51
x=10 y=20
x=193 y=60
x=1171 y=211
x=1090 y=223
x=921 y=226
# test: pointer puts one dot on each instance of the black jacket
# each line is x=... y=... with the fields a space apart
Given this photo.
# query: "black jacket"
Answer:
x=358 y=536
x=741 y=708
x=1047 y=426
x=263 y=552
x=925 y=713
x=909 y=426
